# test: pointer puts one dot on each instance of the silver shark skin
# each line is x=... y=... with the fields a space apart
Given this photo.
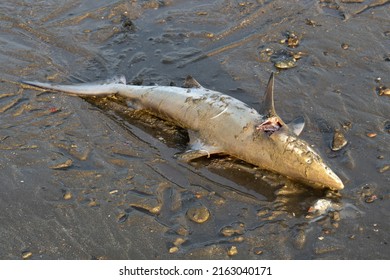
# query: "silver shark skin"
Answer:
x=218 y=123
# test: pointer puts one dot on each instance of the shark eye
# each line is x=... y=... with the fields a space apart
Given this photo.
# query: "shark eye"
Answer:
x=308 y=160
x=270 y=125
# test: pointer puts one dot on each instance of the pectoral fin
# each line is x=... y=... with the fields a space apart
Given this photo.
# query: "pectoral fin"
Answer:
x=198 y=148
x=297 y=125
x=193 y=154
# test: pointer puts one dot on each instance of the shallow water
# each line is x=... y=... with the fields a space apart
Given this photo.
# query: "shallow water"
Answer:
x=85 y=179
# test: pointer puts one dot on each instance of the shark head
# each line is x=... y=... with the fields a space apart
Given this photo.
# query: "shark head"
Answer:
x=287 y=153
x=295 y=158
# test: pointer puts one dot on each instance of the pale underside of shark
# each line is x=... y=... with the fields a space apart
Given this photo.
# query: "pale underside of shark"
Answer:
x=220 y=124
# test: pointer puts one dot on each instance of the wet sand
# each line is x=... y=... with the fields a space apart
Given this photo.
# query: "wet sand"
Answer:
x=91 y=179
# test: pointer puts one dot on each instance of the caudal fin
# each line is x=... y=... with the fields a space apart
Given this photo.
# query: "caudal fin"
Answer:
x=96 y=88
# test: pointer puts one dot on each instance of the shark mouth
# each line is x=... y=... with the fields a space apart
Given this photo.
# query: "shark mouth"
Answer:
x=270 y=125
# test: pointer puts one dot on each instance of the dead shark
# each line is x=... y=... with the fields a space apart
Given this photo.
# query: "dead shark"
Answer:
x=218 y=123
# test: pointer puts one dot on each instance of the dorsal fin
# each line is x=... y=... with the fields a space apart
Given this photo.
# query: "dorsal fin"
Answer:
x=190 y=82
x=268 y=102
x=268 y=107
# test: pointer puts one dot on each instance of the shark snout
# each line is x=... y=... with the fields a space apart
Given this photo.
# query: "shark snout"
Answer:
x=321 y=174
x=299 y=161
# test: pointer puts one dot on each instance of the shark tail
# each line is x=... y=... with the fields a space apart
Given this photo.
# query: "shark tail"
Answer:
x=106 y=87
